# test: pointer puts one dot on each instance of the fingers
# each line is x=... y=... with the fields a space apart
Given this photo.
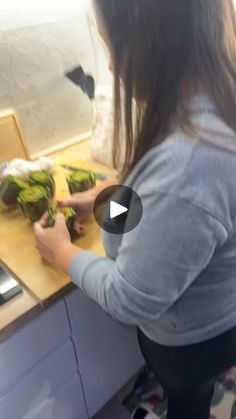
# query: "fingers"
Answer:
x=79 y=228
x=39 y=226
x=60 y=219
x=70 y=202
x=38 y=229
x=43 y=219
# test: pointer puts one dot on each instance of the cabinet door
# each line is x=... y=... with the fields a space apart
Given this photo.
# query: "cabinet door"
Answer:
x=30 y=344
x=40 y=384
x=108 y=352
x=67 y=403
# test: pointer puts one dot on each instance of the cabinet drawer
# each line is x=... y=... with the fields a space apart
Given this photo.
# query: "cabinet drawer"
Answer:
x=30 y=344
x=108 y=352
x=67 y=403
x=40 y=384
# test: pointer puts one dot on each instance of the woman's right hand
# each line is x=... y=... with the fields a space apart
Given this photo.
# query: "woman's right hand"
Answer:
x=82 y=202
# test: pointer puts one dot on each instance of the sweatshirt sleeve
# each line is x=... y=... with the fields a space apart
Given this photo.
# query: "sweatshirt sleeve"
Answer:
x=157 y=262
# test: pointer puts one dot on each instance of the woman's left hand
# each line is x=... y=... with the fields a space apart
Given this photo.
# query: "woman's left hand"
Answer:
x=51 y=242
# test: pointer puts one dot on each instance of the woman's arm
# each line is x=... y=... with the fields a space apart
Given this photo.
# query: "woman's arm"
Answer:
x=54 y=244
x=157 y=262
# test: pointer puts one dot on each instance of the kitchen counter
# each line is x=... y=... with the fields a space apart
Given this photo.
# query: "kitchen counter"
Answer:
x=41 y=282
x=61 y=355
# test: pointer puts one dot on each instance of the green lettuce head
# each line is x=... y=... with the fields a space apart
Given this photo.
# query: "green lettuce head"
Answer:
x=81 y=181
x=52 y=213
x=69 y=214
x=43 y=178
x=9 y=190
x=34 y=202
x=70 y=217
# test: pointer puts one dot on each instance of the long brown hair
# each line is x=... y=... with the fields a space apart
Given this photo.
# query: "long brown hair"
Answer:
x=164 y=51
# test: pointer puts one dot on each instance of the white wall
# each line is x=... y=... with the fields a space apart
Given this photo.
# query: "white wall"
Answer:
x=39 y=41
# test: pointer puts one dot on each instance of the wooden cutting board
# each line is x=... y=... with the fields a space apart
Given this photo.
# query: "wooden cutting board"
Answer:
x=12 y=144
x=17 y=244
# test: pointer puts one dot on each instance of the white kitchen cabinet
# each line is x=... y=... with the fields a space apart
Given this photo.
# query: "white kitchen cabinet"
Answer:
x=67 y=403
x=44 y=385
x=108 y=352
x=67 y=363
x=26 y=347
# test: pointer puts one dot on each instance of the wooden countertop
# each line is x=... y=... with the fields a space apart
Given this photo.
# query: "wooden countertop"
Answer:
x=41 y=282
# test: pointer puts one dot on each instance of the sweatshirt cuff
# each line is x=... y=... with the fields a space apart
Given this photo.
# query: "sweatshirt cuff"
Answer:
x=89 y=272
x=79 y=265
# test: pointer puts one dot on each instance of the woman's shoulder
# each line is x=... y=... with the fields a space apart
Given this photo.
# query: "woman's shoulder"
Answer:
x=200 y=169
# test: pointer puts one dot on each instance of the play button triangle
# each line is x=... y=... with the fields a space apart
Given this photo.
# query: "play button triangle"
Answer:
x=116 y=209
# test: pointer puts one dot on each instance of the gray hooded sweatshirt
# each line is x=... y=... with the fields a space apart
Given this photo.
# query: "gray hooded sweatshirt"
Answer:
x=174 y=275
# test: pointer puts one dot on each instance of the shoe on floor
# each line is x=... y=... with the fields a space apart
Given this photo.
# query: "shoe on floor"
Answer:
x=143 y=413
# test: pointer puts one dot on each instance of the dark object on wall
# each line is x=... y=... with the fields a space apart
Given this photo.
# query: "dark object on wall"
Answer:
x=84 y=81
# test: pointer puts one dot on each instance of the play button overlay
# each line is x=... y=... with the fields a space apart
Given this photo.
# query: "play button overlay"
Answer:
x=118 y=209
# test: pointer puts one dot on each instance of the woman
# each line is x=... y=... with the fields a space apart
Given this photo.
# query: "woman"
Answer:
x=174 y=276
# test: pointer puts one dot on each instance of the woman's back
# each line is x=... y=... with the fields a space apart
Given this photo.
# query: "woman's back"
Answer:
x=188 y=189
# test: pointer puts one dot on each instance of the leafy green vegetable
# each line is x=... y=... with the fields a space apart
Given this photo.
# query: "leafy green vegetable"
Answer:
x=43 y=178
x=81 y=181
x=34 y=202
x=52 y=213
x=9 y=190
x=69 y=214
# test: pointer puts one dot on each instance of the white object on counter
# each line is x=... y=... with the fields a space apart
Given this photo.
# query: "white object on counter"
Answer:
x=23 y=168
x=103 y=126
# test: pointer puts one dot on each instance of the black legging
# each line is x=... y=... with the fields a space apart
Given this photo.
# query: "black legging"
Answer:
x=188 y=373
